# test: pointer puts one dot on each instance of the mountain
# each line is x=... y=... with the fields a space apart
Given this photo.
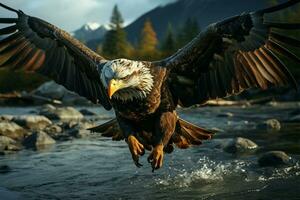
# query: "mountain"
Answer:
x=90 y=32
x=176 y=13
x=205 y=11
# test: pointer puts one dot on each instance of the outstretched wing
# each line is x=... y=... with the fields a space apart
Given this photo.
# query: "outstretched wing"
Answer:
x=35 y=45
x=231 y=56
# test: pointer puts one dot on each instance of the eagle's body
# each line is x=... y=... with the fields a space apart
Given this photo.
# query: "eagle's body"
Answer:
x=225 y=59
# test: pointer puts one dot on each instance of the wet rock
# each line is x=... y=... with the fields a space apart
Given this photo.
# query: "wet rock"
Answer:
x=85 y=124
x=271 y=124
x=38 y=140
x=12 y=130
x=62 y=113
x=87 y=112
x=55 y=91
x=240 y=145
x=67 y=125
x=6 y=117
x=53 y=129
x=79 y=129
x=273 y=158
x=32 y=122
x=8 y=144
x=79 y=133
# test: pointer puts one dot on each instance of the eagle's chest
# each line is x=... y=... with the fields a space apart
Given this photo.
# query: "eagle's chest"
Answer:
x=139 y=109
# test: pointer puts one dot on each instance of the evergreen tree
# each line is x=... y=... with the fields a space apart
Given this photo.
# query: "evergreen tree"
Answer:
x=168 y=45
x=148 y=41
x=115 y=43
x=187 y=32
x=116 y=20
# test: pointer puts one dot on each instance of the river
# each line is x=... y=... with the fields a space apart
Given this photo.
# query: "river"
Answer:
x=98 y=168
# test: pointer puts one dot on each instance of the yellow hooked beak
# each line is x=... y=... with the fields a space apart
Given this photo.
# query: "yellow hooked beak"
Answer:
x=114 y=86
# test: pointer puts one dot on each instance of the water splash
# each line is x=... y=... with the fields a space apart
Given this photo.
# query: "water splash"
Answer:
x=207 y=171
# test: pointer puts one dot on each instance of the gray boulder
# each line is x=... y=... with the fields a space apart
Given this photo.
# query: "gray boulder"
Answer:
x=12 y=130
x=33 y=122
x=273 y=158
x=61 y=113
x=51 y=90
x=55 y=91
x=270 y=124
x=38 y=140
x=240 y=145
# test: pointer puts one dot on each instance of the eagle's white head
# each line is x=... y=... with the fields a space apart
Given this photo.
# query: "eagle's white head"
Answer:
x=126 y=79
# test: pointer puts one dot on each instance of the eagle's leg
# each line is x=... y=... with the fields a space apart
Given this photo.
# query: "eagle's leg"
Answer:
x=136 y=149
x=164 y=129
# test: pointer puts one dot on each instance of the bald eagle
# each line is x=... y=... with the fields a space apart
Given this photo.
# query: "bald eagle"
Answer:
x=226 y=58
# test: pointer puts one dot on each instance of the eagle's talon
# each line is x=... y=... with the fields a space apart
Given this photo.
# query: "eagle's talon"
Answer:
x=156 y=157
x=136 y=149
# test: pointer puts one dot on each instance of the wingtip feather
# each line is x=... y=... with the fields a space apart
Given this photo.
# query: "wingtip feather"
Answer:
x=11 y=9
x=278 y=7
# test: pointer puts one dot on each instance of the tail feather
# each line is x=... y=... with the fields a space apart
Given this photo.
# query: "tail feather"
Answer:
x=189 y=134
x=109 y=129
x=186 y=134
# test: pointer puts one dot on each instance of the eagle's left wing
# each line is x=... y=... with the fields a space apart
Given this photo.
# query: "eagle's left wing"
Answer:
x=34 y=45
x=231 y=56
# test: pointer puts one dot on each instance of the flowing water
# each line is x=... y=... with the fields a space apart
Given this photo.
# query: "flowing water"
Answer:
x=97 y=168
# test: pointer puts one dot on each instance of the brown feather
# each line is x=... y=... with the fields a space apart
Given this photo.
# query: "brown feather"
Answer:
x=261 y=68
x=268 y=65
x=260 y=80
x=38 y=62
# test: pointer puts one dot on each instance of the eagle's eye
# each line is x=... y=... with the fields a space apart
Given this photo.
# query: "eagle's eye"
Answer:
x=125 y=78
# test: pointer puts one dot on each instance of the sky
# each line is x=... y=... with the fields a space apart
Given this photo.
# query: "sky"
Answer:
x=72 y=14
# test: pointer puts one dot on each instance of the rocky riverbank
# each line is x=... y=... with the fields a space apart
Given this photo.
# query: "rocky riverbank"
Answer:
x=46 y=125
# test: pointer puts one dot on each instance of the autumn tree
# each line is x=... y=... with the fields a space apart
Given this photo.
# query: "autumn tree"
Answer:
x=187 y=32
x=148 y=42
x=168 y=45
x=115 y=44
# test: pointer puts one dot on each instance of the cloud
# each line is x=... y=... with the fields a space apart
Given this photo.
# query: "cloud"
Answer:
x=70 y=14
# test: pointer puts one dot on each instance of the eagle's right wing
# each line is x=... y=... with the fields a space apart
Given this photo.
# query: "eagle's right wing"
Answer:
x=35 y=45
x=233 y=55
